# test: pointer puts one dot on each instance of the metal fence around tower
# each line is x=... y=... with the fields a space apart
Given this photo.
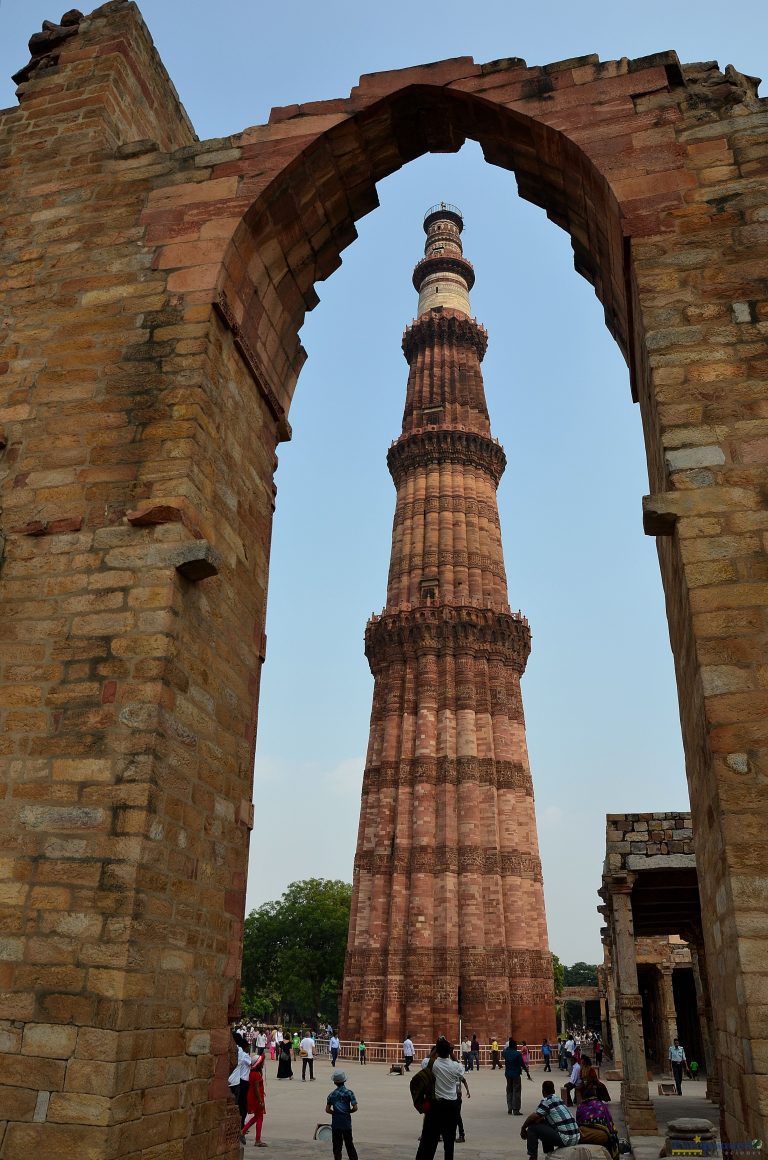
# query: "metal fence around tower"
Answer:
x=393 y=1052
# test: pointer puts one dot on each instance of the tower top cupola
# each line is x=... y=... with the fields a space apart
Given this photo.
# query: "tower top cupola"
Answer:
x=443 y=277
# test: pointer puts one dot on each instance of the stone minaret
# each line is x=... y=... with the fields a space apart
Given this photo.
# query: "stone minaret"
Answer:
x=447 y=906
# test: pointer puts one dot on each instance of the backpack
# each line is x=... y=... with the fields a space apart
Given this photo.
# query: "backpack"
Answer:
x=422 y=1087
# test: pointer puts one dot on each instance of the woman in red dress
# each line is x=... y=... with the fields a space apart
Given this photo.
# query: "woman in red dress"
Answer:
x=256 y=1105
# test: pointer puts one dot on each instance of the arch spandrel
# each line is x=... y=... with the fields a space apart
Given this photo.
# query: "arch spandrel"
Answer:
x=298 y=184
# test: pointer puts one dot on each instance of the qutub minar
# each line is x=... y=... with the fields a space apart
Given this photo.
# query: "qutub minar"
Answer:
x=448 y=906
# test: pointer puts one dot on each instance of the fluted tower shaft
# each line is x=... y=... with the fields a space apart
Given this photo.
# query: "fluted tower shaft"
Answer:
x=448 y=905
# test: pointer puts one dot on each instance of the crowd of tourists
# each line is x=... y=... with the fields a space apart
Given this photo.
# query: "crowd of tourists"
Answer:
x=579 y=1113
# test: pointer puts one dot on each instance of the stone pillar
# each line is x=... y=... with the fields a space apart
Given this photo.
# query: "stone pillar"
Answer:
x=616 y=1070
x=706 y=1026
x=638 y=1110
x=668 y=1013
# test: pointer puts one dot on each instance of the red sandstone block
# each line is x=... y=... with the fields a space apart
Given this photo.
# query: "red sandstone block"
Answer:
x=194 y=278
x=174 y=196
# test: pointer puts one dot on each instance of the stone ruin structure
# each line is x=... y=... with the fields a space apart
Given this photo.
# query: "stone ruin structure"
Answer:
x=152 y=288
x=447 y=915
x=655 y=969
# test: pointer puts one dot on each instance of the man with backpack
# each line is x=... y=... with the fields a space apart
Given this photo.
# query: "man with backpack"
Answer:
x=434 y=1092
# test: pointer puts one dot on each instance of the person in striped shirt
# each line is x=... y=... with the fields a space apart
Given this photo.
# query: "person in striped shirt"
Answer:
x=552 y=1123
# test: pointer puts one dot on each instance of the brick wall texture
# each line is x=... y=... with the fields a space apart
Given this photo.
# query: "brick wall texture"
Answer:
x=152 y=287
x=448 y=894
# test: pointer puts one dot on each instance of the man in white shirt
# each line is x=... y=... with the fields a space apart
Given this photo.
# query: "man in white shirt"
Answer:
x=408 y=1052
x=260 y=1041
x=307 y=1049
x=334 y=1047
x=678 y=1061
x=570 y=1087
x=570 y=1047
x=443 y=1114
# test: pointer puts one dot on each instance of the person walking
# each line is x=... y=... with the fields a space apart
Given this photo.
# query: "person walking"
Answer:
x=495 y=1054
x=460 y=1136
x=474 y=1054
x=514 y=1066
x=441 y=1116
x=598 y=1051
x=334 y=1047
x=307 y=1050
x=341 y=1106
x=466 y=1054
x=546 y=1055
x=362 y=1050
x=678 y=1061
x=408 y=1052
x=239 y=1077
x=284 y=1066
x=256 y=1102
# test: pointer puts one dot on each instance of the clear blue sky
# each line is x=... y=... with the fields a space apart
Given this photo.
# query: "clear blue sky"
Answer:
x=599 y=694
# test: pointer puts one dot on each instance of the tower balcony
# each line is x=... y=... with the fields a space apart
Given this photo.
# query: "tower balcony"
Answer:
x=443 y=264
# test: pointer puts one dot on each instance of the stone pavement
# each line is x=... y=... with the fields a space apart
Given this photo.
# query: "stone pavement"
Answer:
x=692 y=1103
x=387 y=1127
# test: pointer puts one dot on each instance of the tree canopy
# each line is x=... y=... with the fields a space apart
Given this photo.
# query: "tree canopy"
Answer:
x=293 y=952
x=558 y=971
x=581 y=975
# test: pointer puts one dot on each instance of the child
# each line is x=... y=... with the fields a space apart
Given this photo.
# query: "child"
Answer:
x=362 y=1050
x=340 y=1105
x=693 y=1067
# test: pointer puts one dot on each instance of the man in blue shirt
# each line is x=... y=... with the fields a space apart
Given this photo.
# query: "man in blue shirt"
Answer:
x=514 y=1066
x=340 y=1105
x=546 y=1054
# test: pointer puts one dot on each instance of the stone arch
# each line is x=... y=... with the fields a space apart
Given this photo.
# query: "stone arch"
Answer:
x=138 y=437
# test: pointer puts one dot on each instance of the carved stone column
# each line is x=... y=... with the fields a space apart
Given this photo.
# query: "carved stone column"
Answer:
x=638 y=1109
x=668 y=1012
x=706 y=1026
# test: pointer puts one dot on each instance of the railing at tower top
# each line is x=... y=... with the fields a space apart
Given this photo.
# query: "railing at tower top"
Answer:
x=393 y=1052
x=443 y=205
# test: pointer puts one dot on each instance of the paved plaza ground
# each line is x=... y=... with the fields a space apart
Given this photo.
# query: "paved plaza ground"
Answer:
x=387 y=1125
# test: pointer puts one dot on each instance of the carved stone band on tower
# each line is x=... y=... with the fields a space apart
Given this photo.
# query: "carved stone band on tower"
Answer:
x=448 y=906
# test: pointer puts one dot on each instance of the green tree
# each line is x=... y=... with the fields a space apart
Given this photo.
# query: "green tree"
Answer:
x=558 y=970
x=581 y=975
x=293 y=949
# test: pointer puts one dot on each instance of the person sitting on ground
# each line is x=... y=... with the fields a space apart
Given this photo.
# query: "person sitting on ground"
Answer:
x=340 y=1106
x=551 y=1123
x=595 y=1121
